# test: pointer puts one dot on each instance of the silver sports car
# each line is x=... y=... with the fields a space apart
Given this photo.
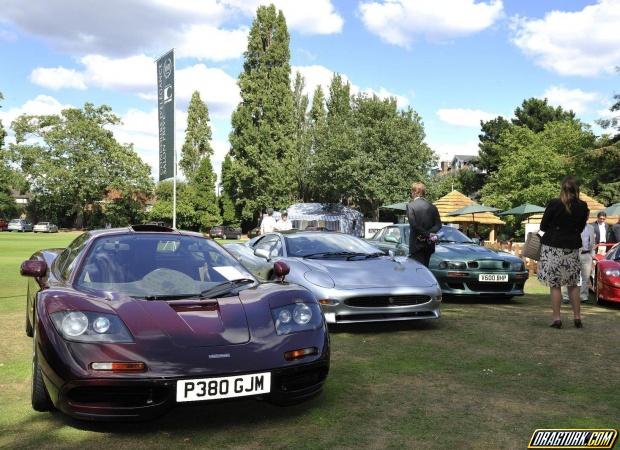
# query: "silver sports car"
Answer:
x=353 y=281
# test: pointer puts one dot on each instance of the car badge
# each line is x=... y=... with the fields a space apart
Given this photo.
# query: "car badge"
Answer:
x=219 y=355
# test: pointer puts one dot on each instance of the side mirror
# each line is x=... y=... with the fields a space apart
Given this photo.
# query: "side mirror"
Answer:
x=33 y=268
x=262 y=253
x=391 y=238
x=280 y=270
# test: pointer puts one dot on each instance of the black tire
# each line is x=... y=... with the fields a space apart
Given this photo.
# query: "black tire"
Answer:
x=39 y=397
x=597 y=298
x=28 y=323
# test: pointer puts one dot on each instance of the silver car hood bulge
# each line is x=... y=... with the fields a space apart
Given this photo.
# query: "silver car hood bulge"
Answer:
x=374 y=272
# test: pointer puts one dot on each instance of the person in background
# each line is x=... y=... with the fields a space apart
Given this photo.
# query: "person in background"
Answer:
x=602 y=231
x=559 y=265
x=283 y=224
x=268 y=222
x=616 y=230
x=424 y=222
x=586 y=253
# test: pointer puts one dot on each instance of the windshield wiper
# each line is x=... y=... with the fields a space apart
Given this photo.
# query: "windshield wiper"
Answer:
x=328 y=254
x=224 y=288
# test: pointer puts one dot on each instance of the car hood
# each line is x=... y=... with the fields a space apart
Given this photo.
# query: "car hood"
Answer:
x=199 y=323
x=375 y=272
x=468 y=251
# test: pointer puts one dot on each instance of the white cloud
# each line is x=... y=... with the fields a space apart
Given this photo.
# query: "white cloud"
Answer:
x=121 y=28
x=572 y=99
x=56 y=78
x=398 y=22
x=137 y=74
x=581 y=43
x=195 y=43
x=316 y=75
x=40 y=105
x=309 y=17
x=464 y=117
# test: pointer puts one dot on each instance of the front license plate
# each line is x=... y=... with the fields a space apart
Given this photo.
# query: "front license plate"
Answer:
x=223 y=387
x=493 y=277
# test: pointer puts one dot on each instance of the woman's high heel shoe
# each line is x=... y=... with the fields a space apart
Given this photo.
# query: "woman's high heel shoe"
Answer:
x=557 y=324
x=578 y=323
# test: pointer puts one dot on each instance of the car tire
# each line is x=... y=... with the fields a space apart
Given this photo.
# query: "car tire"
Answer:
x=597 y=298
x=28 y=323
x=39 y=397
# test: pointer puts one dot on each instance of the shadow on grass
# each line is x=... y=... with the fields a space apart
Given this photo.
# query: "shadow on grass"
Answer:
x=385 y=327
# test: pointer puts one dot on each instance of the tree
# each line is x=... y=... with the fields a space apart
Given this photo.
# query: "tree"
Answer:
x=489 y=154
x=187 y=218
x=227 y=203
x=535 y=163
x=197 y=144
x=535 y=113
x=302 y=140
x=2 y=130
x=8 y=207
x=73 y=160
x=204 y=199
x=335 y=146
x=262 y=125
x=317 y=118
x=390 y=153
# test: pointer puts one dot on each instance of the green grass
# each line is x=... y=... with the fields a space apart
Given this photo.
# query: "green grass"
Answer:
x=484 y=376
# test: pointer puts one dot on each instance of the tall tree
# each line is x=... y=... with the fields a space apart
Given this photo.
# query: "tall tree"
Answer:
x=205 y=200
x=73 y=160
x=2 y=130
x=302 y=140
x=317 y=122
x=197 y=142
x=489 y=153
x=534 y=113
x=7 y=204
x=335 y=146
x=228 y=195
x=263 y=123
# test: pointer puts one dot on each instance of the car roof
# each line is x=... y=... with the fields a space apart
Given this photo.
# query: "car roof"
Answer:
x=139 y=229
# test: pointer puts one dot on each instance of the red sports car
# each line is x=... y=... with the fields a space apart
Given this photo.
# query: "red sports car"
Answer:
x=129 y=322
x=607 y=276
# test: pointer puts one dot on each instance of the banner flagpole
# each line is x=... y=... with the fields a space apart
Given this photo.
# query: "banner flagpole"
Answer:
x=174 y=149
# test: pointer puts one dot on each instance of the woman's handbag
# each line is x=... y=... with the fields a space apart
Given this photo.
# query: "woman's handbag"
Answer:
x=531 y=249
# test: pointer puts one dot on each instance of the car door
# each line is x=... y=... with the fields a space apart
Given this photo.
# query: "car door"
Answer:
x=272 y=244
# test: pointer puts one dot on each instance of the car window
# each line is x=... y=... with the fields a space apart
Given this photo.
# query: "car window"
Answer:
x=268 y=242
x=393 y=232
x=157 y=265
x=612 y=254
x=67 y=259
x=379 y=234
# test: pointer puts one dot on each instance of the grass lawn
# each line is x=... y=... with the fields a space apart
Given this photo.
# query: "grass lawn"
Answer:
x=484 y=376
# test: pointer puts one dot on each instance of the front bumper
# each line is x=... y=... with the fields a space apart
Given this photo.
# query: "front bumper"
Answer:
x=380 y=304
x=469 y=285
x=116 y=399
x=609 y=292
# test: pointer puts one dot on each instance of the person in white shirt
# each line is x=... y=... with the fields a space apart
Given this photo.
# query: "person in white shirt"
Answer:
x=586 y=252
x=283 y=224
x=602 y=231
x=268 y=223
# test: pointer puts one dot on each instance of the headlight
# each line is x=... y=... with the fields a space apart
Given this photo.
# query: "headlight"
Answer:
x=612 y=272
x=87 y=326
x=517 y=266
x=458 y=265
x=297 y=317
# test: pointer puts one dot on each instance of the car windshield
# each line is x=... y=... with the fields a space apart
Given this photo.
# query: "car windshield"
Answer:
x=156 y=265
x=450 y=234
x=326 y=245
x=44 y=223
x=15 y=221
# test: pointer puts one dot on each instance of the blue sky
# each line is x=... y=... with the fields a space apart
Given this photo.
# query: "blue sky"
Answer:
x=453 y=61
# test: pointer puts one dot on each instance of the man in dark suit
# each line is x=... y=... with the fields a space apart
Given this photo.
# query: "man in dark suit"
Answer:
x=616 y=230
x=424 y=222
x=602 y=231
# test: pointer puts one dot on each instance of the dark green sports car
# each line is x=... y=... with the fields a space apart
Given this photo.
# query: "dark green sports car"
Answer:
x=462 y=267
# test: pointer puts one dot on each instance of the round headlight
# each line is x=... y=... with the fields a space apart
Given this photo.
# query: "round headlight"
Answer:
x=74 y=323
x=101 y=324
x=302 y=314
x=284 y=316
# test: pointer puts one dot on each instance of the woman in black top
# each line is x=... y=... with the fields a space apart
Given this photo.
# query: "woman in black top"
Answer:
x=563 y=220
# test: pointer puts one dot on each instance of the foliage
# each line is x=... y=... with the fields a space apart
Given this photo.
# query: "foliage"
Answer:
x=197 y=143
x=204 y=199
x=535 y=113
x=534 y=163
x=301 y=158
x=489 y=155
x=227 y=204
x=466 y=181
x=187 y=218
x=263 y=123
x=73 y=161
x=2 y=130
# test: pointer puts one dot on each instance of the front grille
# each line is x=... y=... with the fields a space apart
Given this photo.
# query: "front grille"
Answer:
x=117 y=396
x=489 y=264
x=490 y=287
x=386 y=316
x=387 y=301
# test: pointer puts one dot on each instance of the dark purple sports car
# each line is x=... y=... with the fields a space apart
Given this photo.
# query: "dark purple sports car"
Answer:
x=130 y=322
